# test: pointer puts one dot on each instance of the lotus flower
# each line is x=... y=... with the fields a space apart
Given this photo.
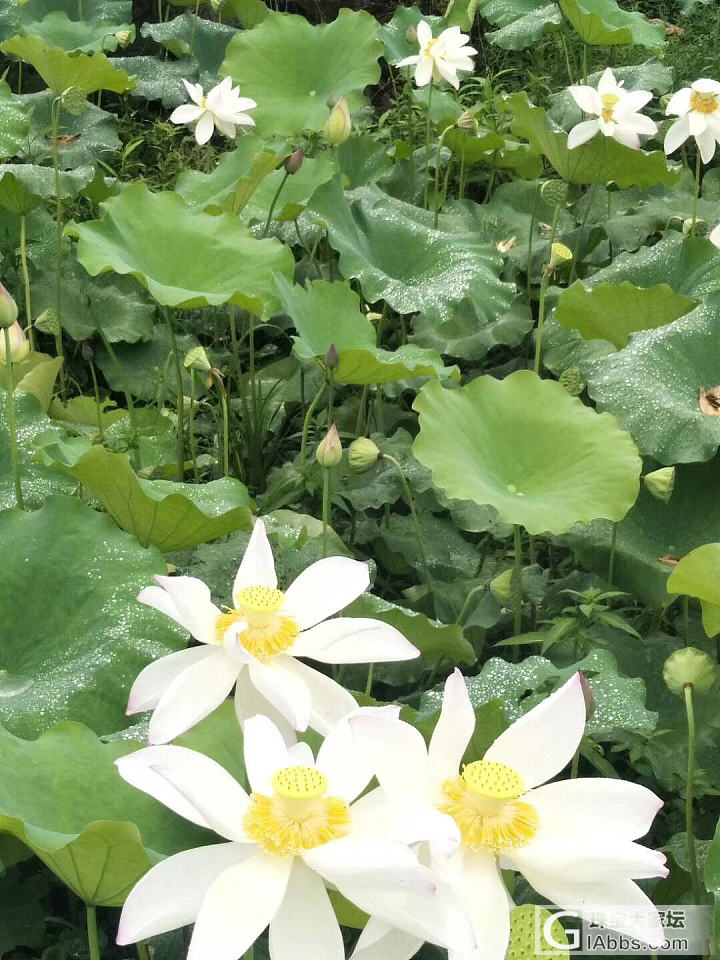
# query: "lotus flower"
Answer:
x=616 y=110
x=698 y=109
x=440 y=56
x=222 y=107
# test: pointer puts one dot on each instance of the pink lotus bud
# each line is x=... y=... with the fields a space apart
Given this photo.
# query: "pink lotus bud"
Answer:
x=329 y=453
x=338 y=124
x=19 y=345
x=8 y=309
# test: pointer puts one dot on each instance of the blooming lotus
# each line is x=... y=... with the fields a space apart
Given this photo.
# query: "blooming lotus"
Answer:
x=698 y=110
x=221 y=107
x=573 y=840
x=254 y=645
x=298 y=830
x=616 y=111
x=440 y=56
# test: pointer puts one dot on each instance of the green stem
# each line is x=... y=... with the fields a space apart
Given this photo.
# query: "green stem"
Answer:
x=326 y=509
x=368 y=685
x=696 y=194
x=567 y=58
x=428 y=128
x=26 y=279
x=55 y=123
x=306 y=426
x=226 y=425
x=517 y=581
x=436 y=202
x=543 y=291
x=689 y=826
x=533 y=215
x=12 y=429
x=611 y=559
x=143 y=951
x=585 y=62
x=271 y=211
x=180 y=398
x=96 y=392
x=575 y=763
x=590 y=196
x=92 y=932
x=411 y=135
x=234 y=345
x=191 y=428
x=461 y=181
x=686 y=618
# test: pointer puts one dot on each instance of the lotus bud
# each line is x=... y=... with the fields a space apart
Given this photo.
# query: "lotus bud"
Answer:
x=332 y=357
x=411 y=34
x=123 y=37
x=196 y=359
x=329 y=452
x=88 y=354
x=661 y=483
x=588 y=696
x=8 y=309
x=74 y=100
x=501 y=587
x=338 y=124
x=689 y=667
x=19 y=345
x=48 y=322
x=559 y=254
x=215 y=5
x=571 y=380
x=363 y=454
x=467 y=121
x=293 y=163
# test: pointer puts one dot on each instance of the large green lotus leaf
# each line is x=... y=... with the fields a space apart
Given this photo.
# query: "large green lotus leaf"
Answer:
x=72 y=628
x=614 y=312
x=160 y=79
x=394 y=252
x=519 y=23
x=291 y=67
x=600 y=161
x=23 y=186
x=298 y=191
x=143 y=369
x=163 y=513
x=33 y=428
x=63 y=796
x=184 y=259
x=209 y=191
x=653 y=530
x=58 y=30
x=698 y=575
x=527 y=448
x=469 y=337
x=14 y=122
x=115 y=11
x=187 y=35
x=82 y=139
x=326 y=313
x=605 y=23
x=60 y=70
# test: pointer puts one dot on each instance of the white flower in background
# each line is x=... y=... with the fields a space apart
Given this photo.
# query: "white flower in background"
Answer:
x=714 y=236
x=573 y=840
x=440 y=56
x=253 y=646
x=221 y=107
x=298 y=830
x=616 y=110
x=698 y=109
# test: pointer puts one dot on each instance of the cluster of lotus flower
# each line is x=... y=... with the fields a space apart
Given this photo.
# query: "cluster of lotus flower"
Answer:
x=421 y=853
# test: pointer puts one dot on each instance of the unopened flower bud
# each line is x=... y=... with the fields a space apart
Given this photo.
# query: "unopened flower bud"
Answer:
x=411 y=34
x=332 y=357
x=689 y=667
x=338 y=124
x=8 y=309
x=559 y=254
x=197 y=359
x=362 y=454
x=329 y=452
x=88 y=354
x=571 y=380
x=501 y=587
x=123 y=37
x=19 y=345
x=74 y=100
x=466 y=121
x=293 y=163
x=587 y=695
x=48 y=322
x=661 y=483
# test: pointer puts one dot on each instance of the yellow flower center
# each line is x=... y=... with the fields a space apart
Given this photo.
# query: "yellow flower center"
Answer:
x=267 y=632
x=298 y=816
x=703 y=102
x=484 y=803
x=203 y=101
x=609 y=102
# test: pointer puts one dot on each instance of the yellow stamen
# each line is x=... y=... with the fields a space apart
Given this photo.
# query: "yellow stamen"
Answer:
x=484 y=803
x=267 y=633
x=298 y=816
x=703 y=102
x=609 y=102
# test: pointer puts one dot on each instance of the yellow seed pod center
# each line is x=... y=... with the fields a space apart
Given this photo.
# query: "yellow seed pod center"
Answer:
x=703 y=102
x=493 y=780
x=299 y=783
x=260 y=599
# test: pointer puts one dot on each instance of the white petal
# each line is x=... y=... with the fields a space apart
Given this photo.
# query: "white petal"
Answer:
x=706 y=145
x=398 y=754
x=285 y=690
x=679 y=103
x=677 y=133
x=187 y=601
x=153 y=681
x=301 y=754
x=238 y=906
x=265 y=753
x=586 y=859
x=249 y=702
x=374 y=861
x=170 y=895
x=380 y=941
x=542 y=742
x=424 y=33
x=243 y=120
x=195 y=91
x=305 y=923
x=225 y=127
x=257 y=567
x=186 y=113
x=324 y=588
x=640 y=124
x=343 y=762
x=607 y=82
x=204 y=128
x=483 y=896
x=424 y=70
x=705 y=85
x=408 y=61
x=582 y=133
x=329 y=701
x=714 y=236
x=353 y=640
x=448 y=72
x=632 y=102
x=191 y=696
x=625 y=136
x=453 y=730
x=217 y=797
x=697 y=124
x=586 y=98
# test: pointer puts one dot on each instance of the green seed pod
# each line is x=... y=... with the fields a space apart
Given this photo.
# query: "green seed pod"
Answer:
x=501 y=587
x=74 y=100
x=661 y=483
x=196 y=359
x=689 y=667
x=571 y=380
x=48 y=322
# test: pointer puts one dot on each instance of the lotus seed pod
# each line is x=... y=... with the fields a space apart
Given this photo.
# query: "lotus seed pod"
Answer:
x=19 y=345
x=363 y=454
x=329 y=452
x=48 y=322
x=332 y=357
x=338 y=125
x=661 y=483
x=293 y=163
x=554 y=191
x=8 y=309
x=559 y=254
x=466 y=121
x=571 y=380
x=74 y=100
x=197 y=359
x=689 y=667
x=123 y=37
x=700 y=227
x=501 y=587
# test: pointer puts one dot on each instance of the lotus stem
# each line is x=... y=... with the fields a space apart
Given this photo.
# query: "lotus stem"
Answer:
x=411 y=135
x=143 y=951
x=226 y=424
x=326 y=508
x=55 y=125
x=92 y=932
x=306 y=425
x=533 y=216
x=26 y=279
x=180 y=399
x=543 y=291
x=689 y=826
x=428 y=128
x=191 y=436
x=271 y=211
x=461 y=182
x=437 y=175
x=12 y=428
x=696 y=194
x=516 y=581
x=96 y=393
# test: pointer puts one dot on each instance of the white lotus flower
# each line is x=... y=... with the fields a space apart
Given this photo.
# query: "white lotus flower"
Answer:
x=221 y=107
x=572 y=839
x=440 y=56
x=714 y=236
x=298 y=830
x=616 y=110
x=254 y=646
x=698 y=109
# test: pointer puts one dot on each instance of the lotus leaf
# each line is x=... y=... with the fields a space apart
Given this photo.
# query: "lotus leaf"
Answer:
x=60 y=70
